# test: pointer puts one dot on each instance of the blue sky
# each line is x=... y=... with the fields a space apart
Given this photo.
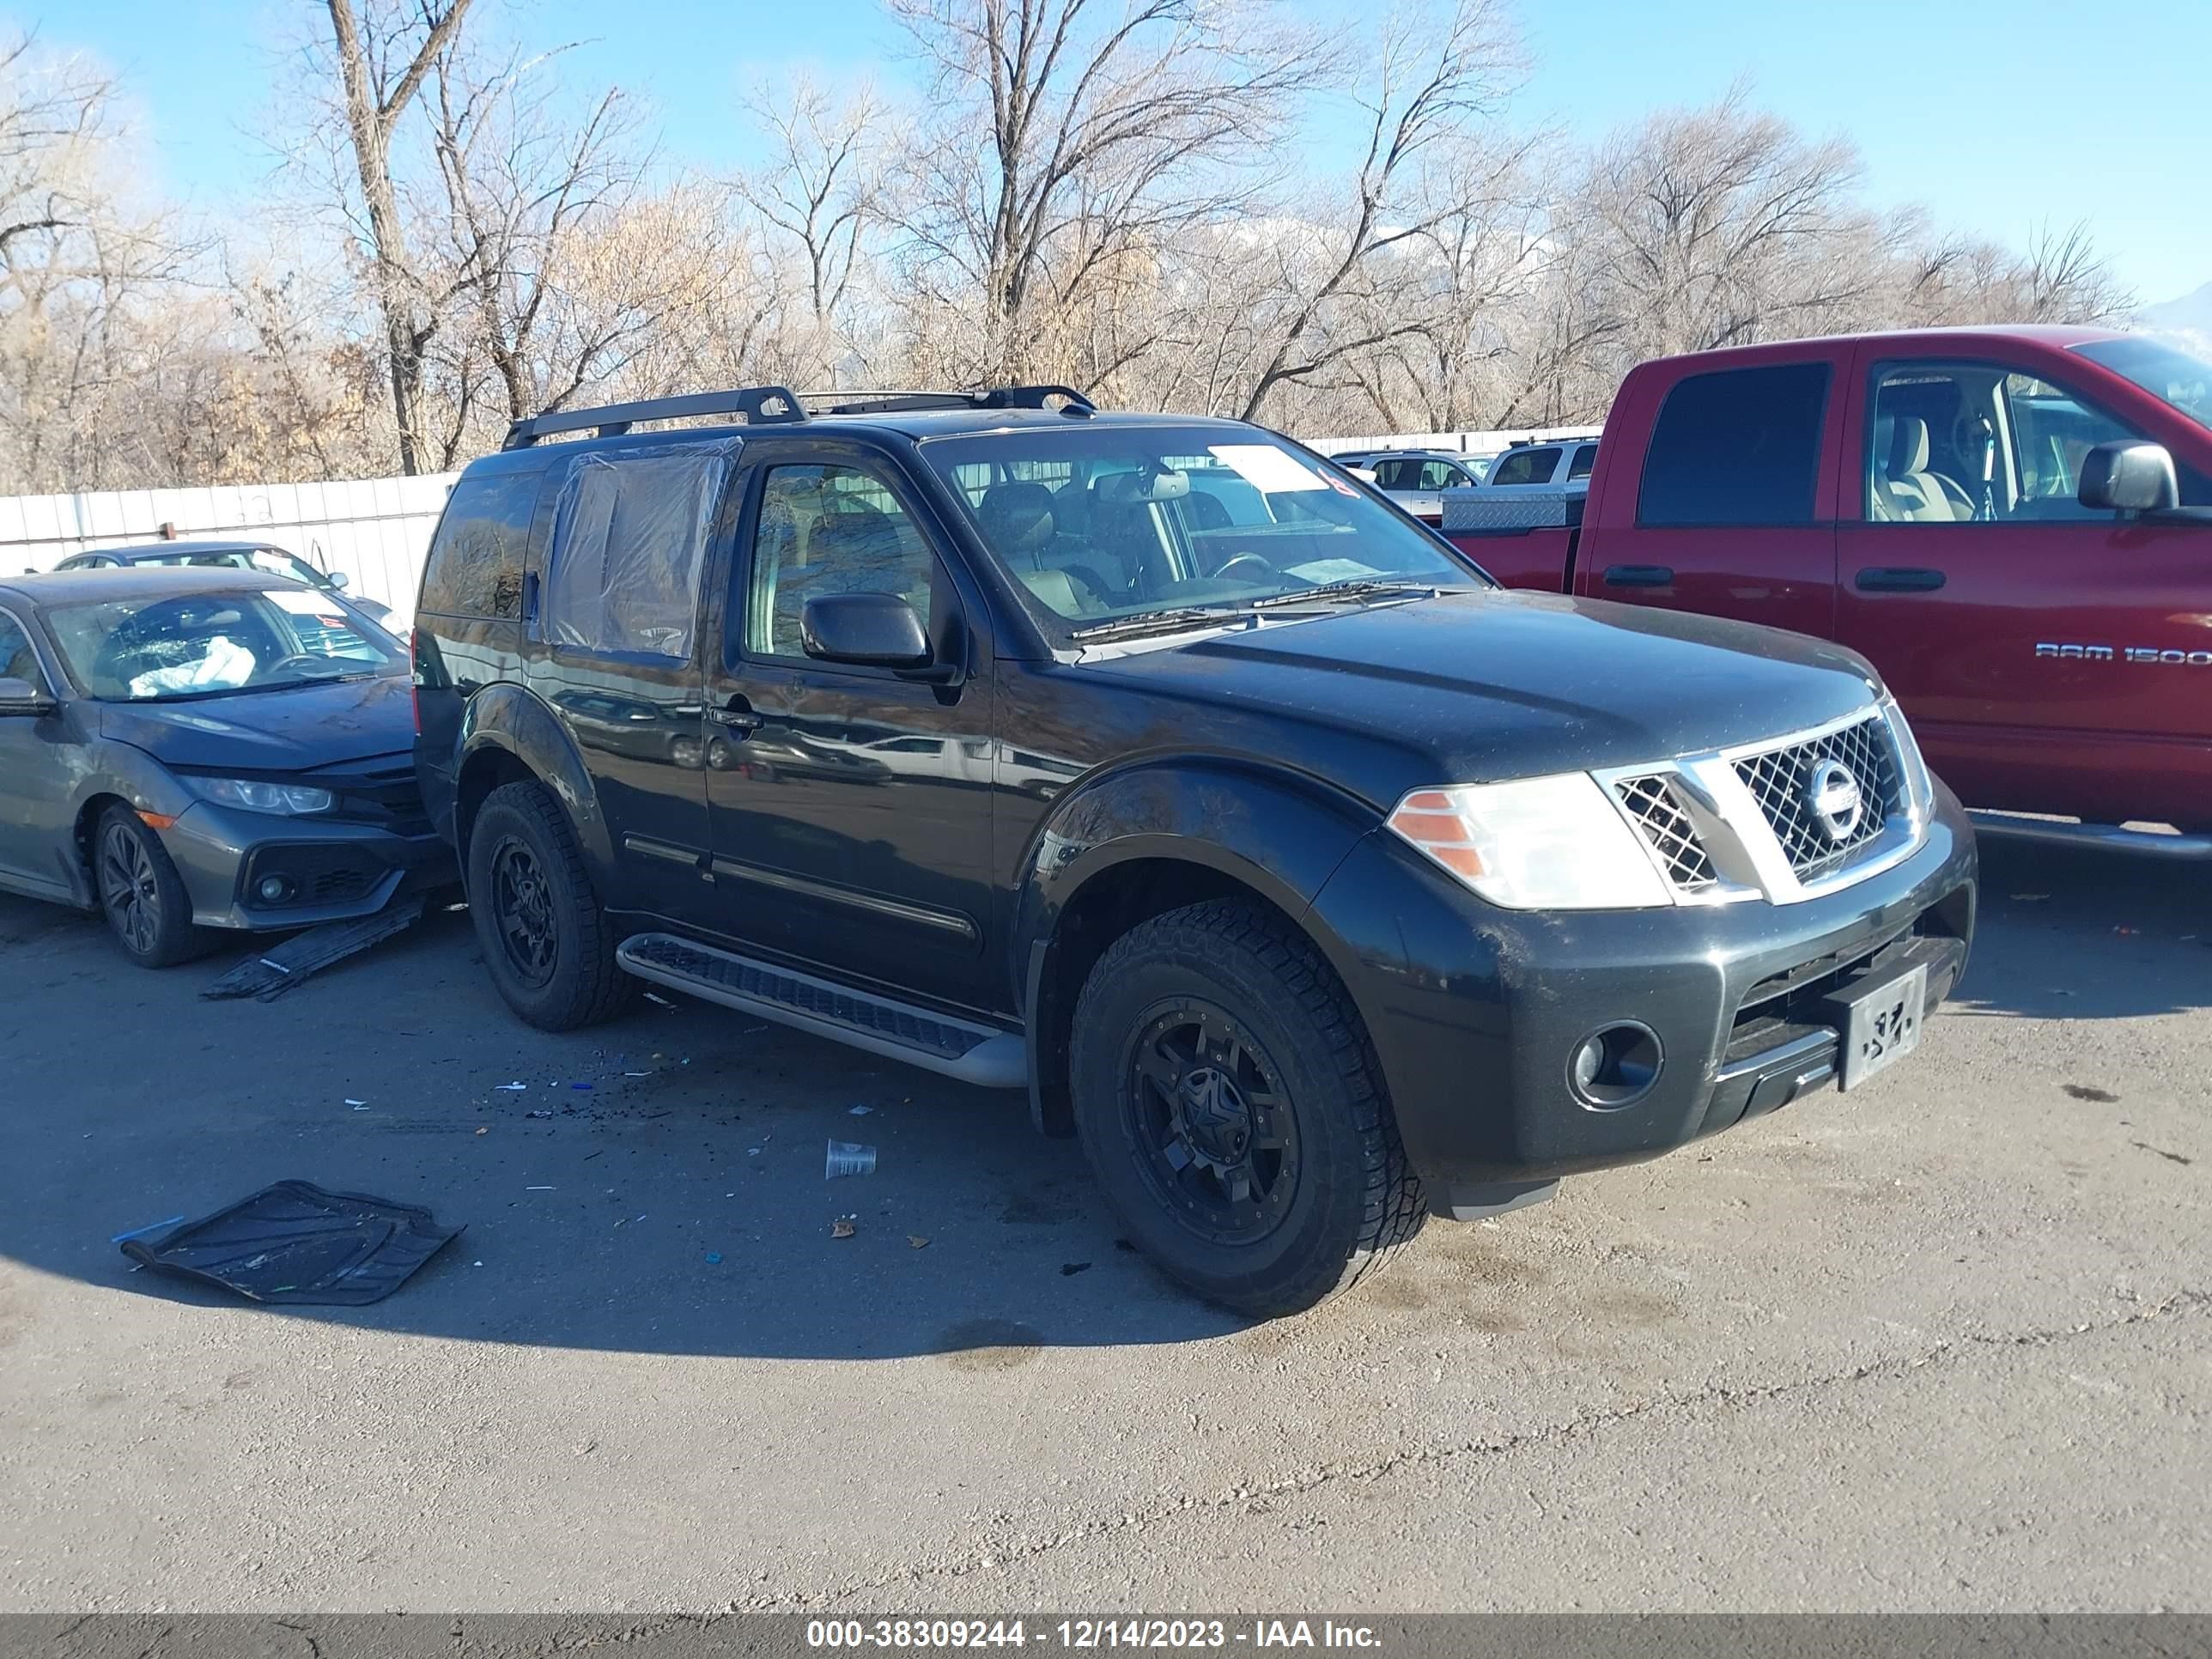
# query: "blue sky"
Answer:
x=1997 y=118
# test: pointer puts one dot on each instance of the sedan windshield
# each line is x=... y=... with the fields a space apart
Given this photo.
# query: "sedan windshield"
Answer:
x=1104 y=524
x=162 y=649
x=2173 y=376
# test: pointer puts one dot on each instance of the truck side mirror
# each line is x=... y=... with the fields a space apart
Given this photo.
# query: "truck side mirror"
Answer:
x=339 y=579
x=2129 y=475
x=869 y=630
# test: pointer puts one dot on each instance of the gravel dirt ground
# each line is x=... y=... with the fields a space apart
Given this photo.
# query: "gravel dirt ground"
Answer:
x=1945 y=1343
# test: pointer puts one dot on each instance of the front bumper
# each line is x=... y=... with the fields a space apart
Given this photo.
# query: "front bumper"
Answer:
x=335 y=871
x=1475 y=1010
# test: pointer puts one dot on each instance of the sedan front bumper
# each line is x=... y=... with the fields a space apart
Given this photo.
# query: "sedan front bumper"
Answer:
x=330 y=869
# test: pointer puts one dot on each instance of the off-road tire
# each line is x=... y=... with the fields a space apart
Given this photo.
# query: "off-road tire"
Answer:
x=581 y=985
x=1355 y=1200
x=160 y=935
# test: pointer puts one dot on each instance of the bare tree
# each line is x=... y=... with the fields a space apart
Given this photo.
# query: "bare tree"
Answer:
x=1435 y=72
x=383 y=52
x=822 y=187
x=1107 y=125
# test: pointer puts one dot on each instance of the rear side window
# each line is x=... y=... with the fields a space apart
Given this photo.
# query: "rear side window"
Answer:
x=628 y=543
x=475 y=567
x=1585 y=459
x=1741 y=446
x=1525 y=466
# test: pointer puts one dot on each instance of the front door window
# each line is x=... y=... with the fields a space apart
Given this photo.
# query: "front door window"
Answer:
x=827 y=530
x=1979 y=444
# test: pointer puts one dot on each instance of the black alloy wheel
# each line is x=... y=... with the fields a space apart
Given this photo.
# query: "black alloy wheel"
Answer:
x=1222 y=1136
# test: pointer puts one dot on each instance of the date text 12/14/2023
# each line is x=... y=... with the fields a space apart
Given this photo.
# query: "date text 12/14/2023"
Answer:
x=1085 y=1634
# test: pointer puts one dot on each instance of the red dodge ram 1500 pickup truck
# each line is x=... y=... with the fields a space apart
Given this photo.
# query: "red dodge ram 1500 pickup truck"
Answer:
x=2014 y=523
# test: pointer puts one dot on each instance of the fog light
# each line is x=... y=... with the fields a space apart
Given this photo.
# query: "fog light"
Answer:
x=1614 y=1068
x=274 y=890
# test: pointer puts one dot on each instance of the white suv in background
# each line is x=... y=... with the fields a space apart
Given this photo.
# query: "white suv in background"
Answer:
x=1530 y=465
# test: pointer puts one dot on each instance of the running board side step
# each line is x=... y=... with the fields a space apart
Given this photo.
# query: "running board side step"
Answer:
x=986 y=1056
x=2065 y=832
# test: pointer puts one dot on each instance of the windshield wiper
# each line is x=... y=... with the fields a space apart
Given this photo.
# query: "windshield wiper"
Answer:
x=200 y=694
x=1163 y=622
x=1354 y=587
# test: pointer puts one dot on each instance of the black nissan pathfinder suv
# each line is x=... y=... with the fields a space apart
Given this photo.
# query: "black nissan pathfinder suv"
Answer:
x=1155 y=765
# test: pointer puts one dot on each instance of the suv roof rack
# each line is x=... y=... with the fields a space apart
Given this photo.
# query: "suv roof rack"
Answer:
x=779 y=404
x=759 y=404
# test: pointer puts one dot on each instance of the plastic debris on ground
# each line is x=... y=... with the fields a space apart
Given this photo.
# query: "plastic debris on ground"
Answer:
x=848 y=1158
x=511 y=1088
x=277 y=970
x=1069 y=1269
x=540 y=1112
x=916 y=1242
x=714 y=1258
x=844 y=1226
x=656 y=996
x=861 y=1111
x=296 y=1242
x=150 y=1227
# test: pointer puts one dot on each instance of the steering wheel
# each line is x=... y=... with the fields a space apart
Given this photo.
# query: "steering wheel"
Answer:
x=297 y=657
x=1231 y=563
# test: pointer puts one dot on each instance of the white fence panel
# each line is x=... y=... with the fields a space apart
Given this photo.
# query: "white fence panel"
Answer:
x=1464 y=443
x=375 y=529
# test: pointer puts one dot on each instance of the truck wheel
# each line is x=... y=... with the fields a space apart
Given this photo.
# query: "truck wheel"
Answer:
x=142 y=894
x=545 y=939
x=1233 y=1109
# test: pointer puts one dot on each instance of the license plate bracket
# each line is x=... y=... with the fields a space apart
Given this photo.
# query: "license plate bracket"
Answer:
x=1878 y=1020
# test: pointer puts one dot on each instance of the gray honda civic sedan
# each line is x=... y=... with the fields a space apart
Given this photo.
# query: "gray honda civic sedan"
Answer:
x=187 y=750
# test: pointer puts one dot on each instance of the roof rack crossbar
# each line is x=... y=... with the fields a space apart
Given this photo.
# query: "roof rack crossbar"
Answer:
x=759 y=404
x=997 y=397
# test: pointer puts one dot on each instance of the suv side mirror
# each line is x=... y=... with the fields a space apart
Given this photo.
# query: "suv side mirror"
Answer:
x=21 y=697
x=869 y=630
x=339 y=579
x=2128 y=476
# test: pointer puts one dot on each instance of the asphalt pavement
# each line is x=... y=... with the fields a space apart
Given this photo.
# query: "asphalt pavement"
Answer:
x=1943 y=1343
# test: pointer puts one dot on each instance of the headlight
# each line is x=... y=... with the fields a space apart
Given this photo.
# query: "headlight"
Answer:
x=288 y=798
x=1553 y=844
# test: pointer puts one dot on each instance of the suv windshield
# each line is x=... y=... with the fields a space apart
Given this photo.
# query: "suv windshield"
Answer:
x=2174 y=376
x=164 y=648
x=1103 y=524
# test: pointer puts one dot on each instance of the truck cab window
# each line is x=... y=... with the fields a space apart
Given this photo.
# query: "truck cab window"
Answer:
x=1974 y=443
x=833 y=529
x=1737 y=447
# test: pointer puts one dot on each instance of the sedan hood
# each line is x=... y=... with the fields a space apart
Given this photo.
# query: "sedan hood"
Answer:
x=1485 y=686
x=291 y=731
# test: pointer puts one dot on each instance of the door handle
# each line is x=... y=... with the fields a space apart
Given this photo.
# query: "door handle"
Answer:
x=1639 y=576
x=1897 y=579
x=736 y=717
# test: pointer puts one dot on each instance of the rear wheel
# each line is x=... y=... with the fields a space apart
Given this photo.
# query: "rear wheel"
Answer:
x=546 y=941
x=1234 y=1112
x=140 y=894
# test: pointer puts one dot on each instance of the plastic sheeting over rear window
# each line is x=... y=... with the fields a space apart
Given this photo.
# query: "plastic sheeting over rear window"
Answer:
x=629 y=542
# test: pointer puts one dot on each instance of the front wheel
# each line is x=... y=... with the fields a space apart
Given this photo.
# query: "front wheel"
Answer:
x=546 y=941
x=1233 y=1109
x=149 y=912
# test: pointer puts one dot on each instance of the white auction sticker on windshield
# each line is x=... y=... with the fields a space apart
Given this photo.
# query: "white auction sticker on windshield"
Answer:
x=1275 y=471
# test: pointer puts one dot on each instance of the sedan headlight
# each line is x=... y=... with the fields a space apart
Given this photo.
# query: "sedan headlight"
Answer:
x=1553 y=844
x=290 y=800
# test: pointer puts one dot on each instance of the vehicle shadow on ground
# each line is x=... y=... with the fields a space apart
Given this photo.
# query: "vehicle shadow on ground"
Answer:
x=2066 y=934
x=676 y=1204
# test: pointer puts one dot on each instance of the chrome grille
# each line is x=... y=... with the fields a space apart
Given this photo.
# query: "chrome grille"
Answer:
x=1781 y=782
x=1658 y=814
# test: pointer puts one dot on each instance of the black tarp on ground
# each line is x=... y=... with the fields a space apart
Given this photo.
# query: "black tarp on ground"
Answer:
x=295 y=1243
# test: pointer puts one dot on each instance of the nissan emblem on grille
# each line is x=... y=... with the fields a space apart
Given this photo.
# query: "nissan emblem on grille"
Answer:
x=1833 y=795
